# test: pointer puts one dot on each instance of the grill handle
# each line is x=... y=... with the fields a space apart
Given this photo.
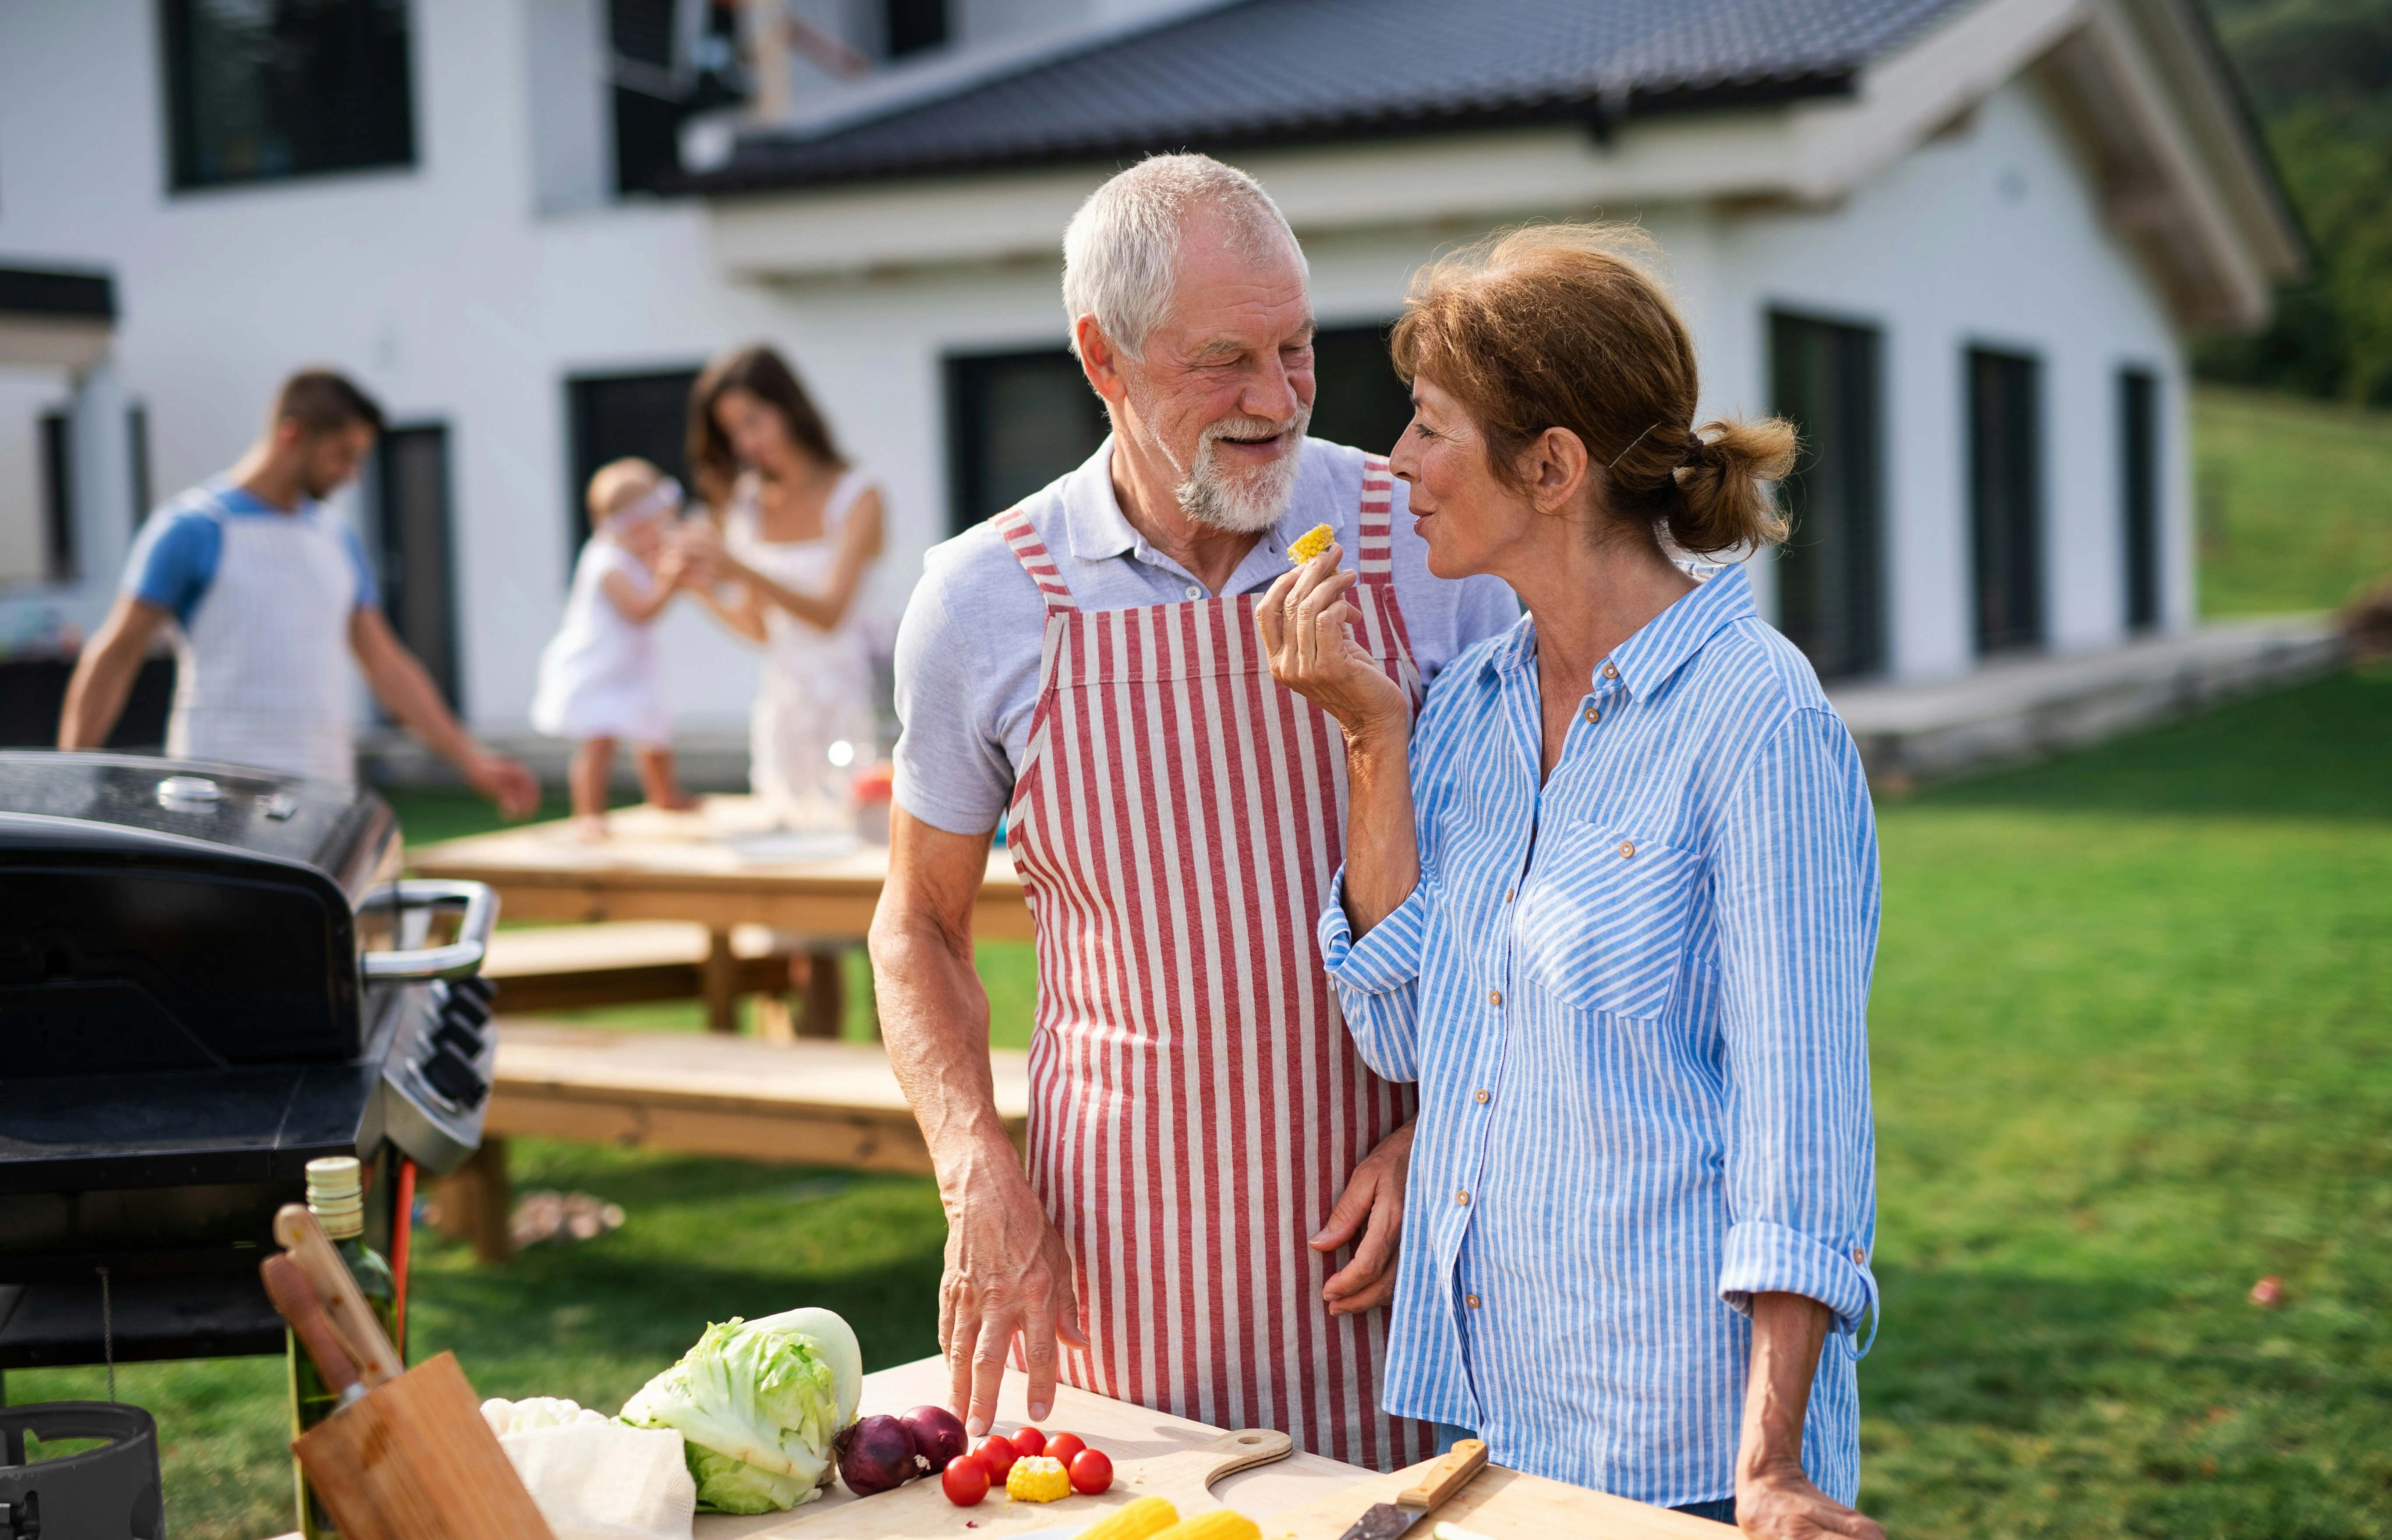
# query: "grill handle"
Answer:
x=461 y=958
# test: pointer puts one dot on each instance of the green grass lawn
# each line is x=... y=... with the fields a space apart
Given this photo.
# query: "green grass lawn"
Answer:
x=2293 y=498
x=2131 y=1055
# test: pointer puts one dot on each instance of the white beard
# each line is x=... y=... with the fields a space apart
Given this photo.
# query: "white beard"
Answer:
x=1245 y=505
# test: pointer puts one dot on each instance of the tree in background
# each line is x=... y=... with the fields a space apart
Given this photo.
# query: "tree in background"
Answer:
x=2319 y=75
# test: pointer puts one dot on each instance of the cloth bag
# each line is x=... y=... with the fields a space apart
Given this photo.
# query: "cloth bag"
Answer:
x=593 y=1477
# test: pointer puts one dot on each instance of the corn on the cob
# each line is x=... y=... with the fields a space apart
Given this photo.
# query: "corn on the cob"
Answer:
x=1137 y=1520
x=1219 y=1524
x=1037 y=1478
x=1311 y=543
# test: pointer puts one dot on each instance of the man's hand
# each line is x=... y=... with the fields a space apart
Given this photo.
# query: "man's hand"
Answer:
x=1007 y=1279
x=1781 y=1504
x=505 y=781
x=1372 y=1204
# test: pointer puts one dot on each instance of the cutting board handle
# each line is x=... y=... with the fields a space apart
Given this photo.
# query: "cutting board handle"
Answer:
x=1244 y=1450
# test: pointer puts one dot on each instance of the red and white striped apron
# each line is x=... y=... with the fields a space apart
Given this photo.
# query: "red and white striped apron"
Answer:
x=1196 y=1104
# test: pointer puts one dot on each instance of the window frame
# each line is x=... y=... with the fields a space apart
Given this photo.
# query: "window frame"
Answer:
x=178 y=121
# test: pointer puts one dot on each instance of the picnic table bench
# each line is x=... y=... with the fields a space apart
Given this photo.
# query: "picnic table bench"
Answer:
x=825 y=1103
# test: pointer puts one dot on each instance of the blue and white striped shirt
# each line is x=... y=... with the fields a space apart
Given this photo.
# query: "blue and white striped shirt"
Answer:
x=1635 y=999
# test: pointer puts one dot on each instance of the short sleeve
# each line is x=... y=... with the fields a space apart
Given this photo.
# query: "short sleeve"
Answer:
x=369 y=593
x=952 y=769
x=174 y=560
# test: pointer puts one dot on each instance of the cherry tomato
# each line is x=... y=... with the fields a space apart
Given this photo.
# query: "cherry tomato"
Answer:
x=997 y=1455
x=965 y=1481
x=1028 y=1441
x=1092 y=1472
x=1061 y=1447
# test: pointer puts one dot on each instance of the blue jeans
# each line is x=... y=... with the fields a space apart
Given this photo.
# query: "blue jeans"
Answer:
x=1720 y=1512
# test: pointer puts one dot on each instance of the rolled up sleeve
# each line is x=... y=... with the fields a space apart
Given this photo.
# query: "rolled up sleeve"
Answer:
x=1797 y=883
x=1377 y=978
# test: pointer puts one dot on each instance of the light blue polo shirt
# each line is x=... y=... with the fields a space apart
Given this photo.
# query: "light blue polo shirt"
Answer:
x=968 y=649
x=175 y=556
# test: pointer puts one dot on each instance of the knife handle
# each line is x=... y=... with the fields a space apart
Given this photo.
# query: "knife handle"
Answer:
x=1448 y=1475
x=295 y=1300
x=369 y=1346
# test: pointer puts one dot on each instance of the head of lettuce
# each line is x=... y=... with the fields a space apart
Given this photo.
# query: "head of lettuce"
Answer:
x=757 y=1404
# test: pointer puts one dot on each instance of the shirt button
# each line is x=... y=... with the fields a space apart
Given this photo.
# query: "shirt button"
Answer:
x=1593 y=715
x=1461 y=1197
x=1471 y=1300
x=1483 y=1096
x=1195 y=593
x=1507 y=894
x=1627 y=849
x=1858 y=1255
x=1609 y=672
x=1494 y=997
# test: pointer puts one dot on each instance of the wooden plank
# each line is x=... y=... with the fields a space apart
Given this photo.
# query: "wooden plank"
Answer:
x=715 y=867
x=1505 y=1505
x=799 y=1137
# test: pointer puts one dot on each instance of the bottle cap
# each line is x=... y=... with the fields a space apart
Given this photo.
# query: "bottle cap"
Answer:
x=337 y=1195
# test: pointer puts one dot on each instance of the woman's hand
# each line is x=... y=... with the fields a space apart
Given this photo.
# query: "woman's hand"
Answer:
x=1782 y=1504
x=1303 y=618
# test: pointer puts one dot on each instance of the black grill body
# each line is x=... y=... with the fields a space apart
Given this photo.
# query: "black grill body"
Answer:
x=209 y=977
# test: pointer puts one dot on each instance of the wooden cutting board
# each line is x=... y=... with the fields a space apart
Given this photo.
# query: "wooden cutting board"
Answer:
x=1504 y=1505
x=919 y=1510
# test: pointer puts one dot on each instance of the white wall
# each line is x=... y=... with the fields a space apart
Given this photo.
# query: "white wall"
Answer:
x=448 y=293
x=1989 y=235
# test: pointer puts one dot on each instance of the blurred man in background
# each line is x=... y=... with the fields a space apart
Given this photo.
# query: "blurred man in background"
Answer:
x=265 y=589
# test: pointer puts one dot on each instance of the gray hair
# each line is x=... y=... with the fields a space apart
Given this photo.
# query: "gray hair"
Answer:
x=1121 y=250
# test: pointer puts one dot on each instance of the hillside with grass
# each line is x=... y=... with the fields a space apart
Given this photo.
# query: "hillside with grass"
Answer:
x=2292 y=500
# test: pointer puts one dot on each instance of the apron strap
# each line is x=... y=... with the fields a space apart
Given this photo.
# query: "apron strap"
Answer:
x=1374 y=541
x=1032 y=552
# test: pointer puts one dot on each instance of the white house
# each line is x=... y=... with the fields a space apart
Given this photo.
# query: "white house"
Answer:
x=1964 y=242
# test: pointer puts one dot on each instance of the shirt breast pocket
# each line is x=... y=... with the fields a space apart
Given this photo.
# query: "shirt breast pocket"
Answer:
x=1603 y=927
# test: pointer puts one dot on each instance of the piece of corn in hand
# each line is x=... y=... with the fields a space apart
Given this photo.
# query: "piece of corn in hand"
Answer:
x=1311 y=543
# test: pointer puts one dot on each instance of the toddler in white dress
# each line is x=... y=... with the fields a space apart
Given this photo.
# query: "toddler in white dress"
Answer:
x=600 y=678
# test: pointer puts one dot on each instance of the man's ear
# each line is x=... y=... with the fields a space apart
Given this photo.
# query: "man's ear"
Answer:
x=1100 y=360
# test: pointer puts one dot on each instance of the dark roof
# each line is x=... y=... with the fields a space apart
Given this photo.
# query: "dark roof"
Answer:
x=1281 y=72
x=43 y=291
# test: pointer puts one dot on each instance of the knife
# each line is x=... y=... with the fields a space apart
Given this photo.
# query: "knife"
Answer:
x=1448 y=1475
x=294 y=1301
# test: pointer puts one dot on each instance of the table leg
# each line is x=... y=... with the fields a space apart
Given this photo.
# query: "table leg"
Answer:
x=475 y=1203
x=722 y=981
x=825 y=1010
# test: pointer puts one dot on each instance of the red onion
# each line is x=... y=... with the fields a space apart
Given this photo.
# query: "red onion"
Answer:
x=876 y=1454
x=939 y=1436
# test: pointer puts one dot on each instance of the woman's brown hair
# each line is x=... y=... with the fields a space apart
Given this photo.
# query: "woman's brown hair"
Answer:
x=1562 y=325
x=764 y=374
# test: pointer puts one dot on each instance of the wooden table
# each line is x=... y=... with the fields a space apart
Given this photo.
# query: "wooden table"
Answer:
x=1125 y=1432
x=826 y=1104
x=723 y=866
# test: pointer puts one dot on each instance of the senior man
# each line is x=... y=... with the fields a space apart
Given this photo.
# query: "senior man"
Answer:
x=1203 y=1139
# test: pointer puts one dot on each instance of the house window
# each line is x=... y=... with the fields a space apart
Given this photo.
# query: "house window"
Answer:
x=614 y=415
x=1017 y=420
x=413 y=555
x=1831 y=573
x=259 y=90
x=2005 y=500
x=670 y=60
x=913 y=26
x=2138 y=494
x=57 y=498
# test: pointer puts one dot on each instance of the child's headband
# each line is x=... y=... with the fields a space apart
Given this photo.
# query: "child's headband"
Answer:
x=663 y=497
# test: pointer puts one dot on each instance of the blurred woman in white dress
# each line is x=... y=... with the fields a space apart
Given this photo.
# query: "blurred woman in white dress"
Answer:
x=798 y=528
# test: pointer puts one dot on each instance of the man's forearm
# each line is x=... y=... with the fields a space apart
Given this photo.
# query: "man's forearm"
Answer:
x=413 y=701
x=935 y=1020
x=104 y=674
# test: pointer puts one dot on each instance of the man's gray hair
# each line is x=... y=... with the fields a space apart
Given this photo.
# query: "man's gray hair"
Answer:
x=1121 y=249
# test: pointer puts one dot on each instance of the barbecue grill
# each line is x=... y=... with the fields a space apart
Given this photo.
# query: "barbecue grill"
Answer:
x=209 y=977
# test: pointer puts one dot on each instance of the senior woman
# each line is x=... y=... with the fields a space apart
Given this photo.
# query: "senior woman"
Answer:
x=1613 y=904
